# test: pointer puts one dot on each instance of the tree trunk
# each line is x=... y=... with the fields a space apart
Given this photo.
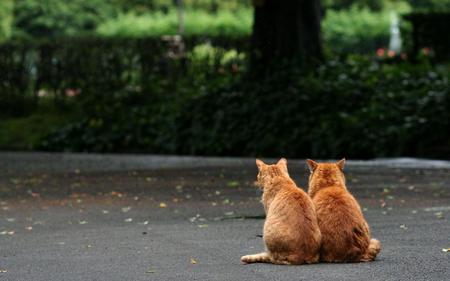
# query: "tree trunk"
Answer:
x=286 y=30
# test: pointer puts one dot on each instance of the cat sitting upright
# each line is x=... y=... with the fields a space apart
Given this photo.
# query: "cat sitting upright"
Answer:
x=291 y=231
x=345 y=233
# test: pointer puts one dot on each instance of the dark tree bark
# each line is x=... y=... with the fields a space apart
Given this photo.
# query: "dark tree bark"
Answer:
x=286 y=30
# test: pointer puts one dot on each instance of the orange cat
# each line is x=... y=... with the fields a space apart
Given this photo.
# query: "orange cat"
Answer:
x=345 y=233
x=291 y=232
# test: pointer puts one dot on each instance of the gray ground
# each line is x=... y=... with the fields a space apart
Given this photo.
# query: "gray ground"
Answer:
x=94 y=217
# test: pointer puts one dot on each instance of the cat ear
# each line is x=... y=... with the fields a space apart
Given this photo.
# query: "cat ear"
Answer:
x=260 y=164
x=282 y=163
x=312 y=165
x=341 y=164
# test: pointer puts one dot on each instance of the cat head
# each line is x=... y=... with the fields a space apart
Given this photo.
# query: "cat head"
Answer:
x=266 y=173
x=326 y=174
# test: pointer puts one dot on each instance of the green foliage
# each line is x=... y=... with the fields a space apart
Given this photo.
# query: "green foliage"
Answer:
x=430 y=5
x=352 y=26
x=353 y=30
x=356 y=30
x=56 y=18
x=26 y=132
x=356 y=108
x=6 y=17
x=346 y=4
x=197 y=22
x=144 y=6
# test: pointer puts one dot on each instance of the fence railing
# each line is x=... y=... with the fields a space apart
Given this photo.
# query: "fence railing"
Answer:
x=94 y=65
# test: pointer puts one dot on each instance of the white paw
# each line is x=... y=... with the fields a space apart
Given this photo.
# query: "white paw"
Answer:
x=245 y=259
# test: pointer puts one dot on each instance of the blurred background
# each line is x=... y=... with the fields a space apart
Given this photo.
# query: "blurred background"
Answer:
x=354 y=78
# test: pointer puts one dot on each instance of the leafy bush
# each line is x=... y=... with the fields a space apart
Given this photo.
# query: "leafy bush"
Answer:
x=56 y=18
x=6 y=17
x=356 y=108
x=197 y=22
x=355 y=30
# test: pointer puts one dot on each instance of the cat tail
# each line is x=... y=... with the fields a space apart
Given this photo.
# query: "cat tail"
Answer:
x=261 y=257
x=372 y=251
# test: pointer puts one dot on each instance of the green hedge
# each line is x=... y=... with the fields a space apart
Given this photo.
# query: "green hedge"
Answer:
x=355 y=108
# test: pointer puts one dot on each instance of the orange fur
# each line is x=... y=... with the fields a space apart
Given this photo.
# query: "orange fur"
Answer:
x=291 y=232
x=345 y=233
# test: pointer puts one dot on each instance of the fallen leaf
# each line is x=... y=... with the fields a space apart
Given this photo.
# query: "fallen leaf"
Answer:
x=162 y=205
x=233 y=183
x=193 y=219
x=439 y=215
x=193 y=261
x=35 y=194
x=118 y=194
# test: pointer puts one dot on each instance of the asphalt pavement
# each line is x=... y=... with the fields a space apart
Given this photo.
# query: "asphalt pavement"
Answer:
x=134 y=217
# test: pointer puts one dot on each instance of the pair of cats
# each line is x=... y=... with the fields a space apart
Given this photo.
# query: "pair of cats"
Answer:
x=325 y=225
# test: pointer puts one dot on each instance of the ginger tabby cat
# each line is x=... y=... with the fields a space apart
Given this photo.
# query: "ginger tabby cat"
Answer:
x=345 y=233
x=291 y=232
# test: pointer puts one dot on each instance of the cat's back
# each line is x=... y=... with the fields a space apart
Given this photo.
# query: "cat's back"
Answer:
x=345 y=234
x=337 y=200
x=292 y=217
x=295 y=198
x=293 y=209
